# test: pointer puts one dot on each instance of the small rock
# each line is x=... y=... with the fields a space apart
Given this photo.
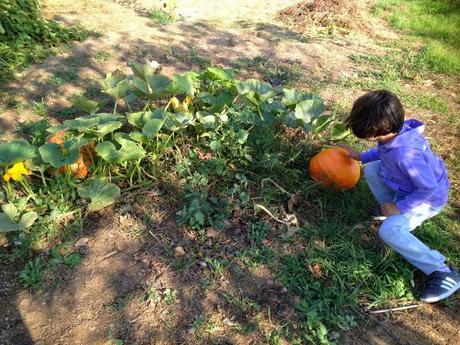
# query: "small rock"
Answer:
x=81 y=242
x=284 y=290
x=179 y=251
x=202 y=263
x=212 y=233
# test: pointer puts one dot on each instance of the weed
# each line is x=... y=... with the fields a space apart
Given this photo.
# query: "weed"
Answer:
x=151 y=294
x=202 y=211
x=257 y=232
x=241 y=303
x=190 y=56
x=58 y=259
x=31 y=276
x=202 y=325
x=169 y=296
x=161 y=17
x=40 y=108
x=119 y=303
x=60 y=78
x=102 y=56
x=35 y=131
x=217 y=266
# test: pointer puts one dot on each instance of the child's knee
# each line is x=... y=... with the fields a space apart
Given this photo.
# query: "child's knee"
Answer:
x=392 y=228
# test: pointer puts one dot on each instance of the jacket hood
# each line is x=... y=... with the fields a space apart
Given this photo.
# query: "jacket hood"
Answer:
x=409 y=136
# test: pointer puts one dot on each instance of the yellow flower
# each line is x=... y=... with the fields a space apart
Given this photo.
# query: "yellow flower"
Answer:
x=16 y=172
x=188 y=100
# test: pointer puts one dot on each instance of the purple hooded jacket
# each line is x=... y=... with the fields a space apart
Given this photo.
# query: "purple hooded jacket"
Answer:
x=410 y=168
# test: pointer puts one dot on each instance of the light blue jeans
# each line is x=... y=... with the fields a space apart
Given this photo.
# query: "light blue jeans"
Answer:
x=396 y=230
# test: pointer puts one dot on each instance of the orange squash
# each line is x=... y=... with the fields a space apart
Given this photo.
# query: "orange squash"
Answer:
x=333 y=167
x=57 y=138
x=80 y=168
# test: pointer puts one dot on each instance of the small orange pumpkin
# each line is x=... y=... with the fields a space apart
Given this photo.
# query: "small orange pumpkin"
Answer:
x=80 y=168
x=333 y=167
x=57 y=138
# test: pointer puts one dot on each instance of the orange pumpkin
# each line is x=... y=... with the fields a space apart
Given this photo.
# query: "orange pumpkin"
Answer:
x=57 y=138
x=80 y=168
x=333 y=167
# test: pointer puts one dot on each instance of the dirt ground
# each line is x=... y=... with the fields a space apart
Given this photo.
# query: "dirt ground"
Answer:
x=104 y=298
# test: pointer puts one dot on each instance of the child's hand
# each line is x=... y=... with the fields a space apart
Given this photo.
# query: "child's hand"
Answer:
x=389 y=209
x=352 y=153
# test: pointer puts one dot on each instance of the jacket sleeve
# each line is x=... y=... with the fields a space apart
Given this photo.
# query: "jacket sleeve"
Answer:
x=369 y=156
x=421 y=174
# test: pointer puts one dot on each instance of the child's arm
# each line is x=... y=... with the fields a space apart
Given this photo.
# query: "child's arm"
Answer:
x=365 y=157
x=369 y=155
x=421 y=175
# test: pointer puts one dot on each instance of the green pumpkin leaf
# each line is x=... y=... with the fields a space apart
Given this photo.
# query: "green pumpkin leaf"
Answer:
x=308 y=110
x=177 y=121
x=209 y=121
x=112 y=79
x=108 y=127
x=217 y=102
x=216 y=73
x=135 y=119
x=28 y=219
x=115 y=85
x=129 y=151
x=159 y=86
x=143 y=71
x=16 y=151
x=85 y=104
x=82 y=124
x=242 y=136
x=339 y=131
x=10 y=210
x=139 y=137
x=182 y=84
x=321 y=123
x=292 y=97
x=140 y=87
x=101 y=193
x=255 y=87
x=139 y=119
x=59 y=156
x=105 y=117
x=7 y=225
x=291 y=121
x=215 y=145
x=152 y=127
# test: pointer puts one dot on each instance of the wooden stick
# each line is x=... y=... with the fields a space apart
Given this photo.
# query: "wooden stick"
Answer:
x=412 y=306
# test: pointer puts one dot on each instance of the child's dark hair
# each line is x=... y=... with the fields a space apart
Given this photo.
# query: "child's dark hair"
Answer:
x=376 y=113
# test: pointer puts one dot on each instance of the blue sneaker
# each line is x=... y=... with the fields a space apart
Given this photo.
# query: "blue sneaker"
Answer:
x=440 y=285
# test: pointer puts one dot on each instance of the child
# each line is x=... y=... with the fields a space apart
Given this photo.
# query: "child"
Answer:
x=409 y=182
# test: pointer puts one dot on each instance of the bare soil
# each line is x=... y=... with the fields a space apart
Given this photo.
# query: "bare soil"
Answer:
x=131 y=250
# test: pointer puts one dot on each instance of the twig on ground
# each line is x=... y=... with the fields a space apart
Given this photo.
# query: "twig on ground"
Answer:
x=412 y=306
x=109 y=255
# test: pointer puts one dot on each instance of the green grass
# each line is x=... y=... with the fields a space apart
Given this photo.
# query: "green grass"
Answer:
x=437 y=23
x=161 y=17
x=26 y=38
